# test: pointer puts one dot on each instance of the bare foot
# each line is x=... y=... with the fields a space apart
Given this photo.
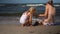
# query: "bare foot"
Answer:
x=22 y=25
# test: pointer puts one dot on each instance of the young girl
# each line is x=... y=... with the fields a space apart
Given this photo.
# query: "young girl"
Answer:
x=26 y=18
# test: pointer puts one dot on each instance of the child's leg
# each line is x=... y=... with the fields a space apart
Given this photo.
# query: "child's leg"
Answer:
x=26 y=23
x=23 y=25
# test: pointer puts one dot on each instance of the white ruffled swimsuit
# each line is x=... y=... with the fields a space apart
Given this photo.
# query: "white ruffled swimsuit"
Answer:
x=23 y=18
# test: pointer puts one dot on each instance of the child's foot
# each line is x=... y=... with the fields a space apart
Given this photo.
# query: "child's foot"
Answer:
x=31 y=26
x=23 y=25
x=48 y=24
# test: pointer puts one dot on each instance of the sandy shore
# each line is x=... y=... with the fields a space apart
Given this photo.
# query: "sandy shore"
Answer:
x=9 y=20
x=11 y=25
x=17 y=29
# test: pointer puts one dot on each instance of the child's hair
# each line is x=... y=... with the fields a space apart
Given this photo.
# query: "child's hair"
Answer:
x=32 y=10
x=50 y=3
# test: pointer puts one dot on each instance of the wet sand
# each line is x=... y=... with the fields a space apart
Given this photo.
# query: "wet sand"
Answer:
x=17 y=29
x=11 y=25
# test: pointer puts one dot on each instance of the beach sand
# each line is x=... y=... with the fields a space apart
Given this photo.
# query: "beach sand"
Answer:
x=11 y=25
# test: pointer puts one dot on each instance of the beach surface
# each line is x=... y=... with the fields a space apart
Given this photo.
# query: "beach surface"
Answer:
x=11 y=25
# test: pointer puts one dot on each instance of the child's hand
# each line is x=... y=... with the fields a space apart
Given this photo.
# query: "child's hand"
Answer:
x=39 y=15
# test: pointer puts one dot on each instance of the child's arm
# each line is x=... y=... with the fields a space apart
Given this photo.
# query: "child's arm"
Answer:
x=30 y=19
x=46 y=11
x=41 y=15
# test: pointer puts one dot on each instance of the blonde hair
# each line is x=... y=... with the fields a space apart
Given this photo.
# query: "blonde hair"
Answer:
x=32 y=9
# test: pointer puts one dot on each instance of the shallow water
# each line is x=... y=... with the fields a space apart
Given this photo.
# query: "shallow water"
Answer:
x=18 y=8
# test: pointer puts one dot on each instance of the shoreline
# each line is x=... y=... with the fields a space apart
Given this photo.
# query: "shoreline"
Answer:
x=15 y=19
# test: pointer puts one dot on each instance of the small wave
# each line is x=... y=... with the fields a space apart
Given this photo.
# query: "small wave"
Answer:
x=38 y=5
x=56 y=5
x=35 y=5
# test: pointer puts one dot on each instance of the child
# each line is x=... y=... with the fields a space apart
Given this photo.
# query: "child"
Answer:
x=26 y=18
x=49 y=14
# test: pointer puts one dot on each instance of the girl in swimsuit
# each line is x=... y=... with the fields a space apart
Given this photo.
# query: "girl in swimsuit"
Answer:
x=26 y=18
